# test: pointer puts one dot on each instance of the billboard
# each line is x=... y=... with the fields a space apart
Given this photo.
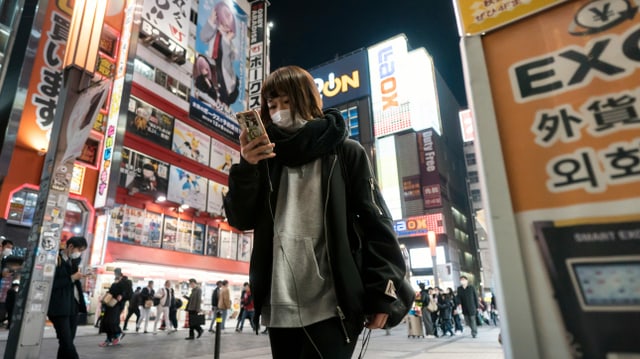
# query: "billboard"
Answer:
x=223 y=156
x=216 y=193
x=142 y=174
x=187 y=188
x=419 y=225
x=171 y=19
x=191 y=143
x=429 y=172
x=343 y=80
x=149 y=122
x=258 y=58
x=220 y=71
x=466 y=125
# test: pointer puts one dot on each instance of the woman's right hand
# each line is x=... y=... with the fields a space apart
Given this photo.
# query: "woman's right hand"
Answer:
x=256 y=150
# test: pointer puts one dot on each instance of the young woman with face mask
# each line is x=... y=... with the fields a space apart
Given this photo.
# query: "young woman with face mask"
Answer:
x=307 y=289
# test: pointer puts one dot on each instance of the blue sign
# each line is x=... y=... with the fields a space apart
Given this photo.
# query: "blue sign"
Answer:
x=343 y=80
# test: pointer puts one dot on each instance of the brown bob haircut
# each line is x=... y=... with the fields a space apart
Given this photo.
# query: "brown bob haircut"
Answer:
x=297 y=83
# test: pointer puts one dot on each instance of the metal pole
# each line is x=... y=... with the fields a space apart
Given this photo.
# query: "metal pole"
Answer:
x=216 y=348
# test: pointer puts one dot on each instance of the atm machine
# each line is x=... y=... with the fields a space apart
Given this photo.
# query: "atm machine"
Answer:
x=595 y=273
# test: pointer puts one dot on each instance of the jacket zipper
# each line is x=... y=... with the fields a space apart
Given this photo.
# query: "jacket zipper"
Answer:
x=373 y=196
x=326 y=205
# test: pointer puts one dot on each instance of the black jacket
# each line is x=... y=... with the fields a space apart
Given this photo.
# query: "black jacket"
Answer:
x=63 y=302
x=252 y=196
x=468 y=299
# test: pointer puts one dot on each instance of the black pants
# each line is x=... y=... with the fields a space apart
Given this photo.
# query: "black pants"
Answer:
x=131 y=312
x=192 y=319
x=324 y=339
x=65 y=327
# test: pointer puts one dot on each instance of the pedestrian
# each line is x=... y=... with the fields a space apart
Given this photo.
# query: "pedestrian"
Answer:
x=7 y=275
x=301 y=187
x=215 y=297
x=164 y=302
x=176 y=304
x=224 y=302
x=247 y=303
x=146 y=302
x=193 y=308
x=445 y=309
x=11 y=300
x=66 y=300
x=469 y=302
x=425 y=299
x=120 y=290
x=133 y=307
x=244 y=288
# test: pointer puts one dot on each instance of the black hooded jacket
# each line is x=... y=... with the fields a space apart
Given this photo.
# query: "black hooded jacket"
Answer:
x=363 y=250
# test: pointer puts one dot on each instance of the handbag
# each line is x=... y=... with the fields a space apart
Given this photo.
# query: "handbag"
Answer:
x=148 y=303
x=109 y=300
x=196 y=318
x=432 y=306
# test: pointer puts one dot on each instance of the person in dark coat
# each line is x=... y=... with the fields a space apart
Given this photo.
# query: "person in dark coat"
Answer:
x=468 y=299
x=302 y=187
x=120 y=290
x=133 y=307
x=66 y=299
x=194 y=306
x=445 y=308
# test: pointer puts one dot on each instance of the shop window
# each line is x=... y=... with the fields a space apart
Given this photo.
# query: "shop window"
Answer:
x=473 y=176
x=470 y=158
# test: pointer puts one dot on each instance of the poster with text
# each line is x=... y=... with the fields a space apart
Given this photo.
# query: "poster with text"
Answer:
x=216 y=193
x=223 y=156
x=142 y=174
x=170 y=18
x=191 y=143
x=151 y=229
x=567 y=105
x=187 y=188
x=114 y=230
x=211 y=247
x=132 y=223
x=228 y=245
x=183 y=237
x=219 y=73
x=198 y=238
x=245 y=243
x=149 y=122
x=169 y=232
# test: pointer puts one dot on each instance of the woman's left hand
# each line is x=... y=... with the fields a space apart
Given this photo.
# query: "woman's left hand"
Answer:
x=378 y=321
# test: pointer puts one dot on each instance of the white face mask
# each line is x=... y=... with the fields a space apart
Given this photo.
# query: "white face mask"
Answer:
x=75 y=255
x=284 y=120
x=7 y=252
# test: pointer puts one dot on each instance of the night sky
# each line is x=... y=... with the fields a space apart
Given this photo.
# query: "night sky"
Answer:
x=310 y=33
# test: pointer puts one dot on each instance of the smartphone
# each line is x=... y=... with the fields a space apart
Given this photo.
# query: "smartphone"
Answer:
x=251 y=121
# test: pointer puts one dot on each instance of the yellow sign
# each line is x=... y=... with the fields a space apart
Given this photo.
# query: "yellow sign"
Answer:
x=478 y=16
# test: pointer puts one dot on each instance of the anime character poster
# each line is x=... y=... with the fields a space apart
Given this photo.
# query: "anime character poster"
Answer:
x=139 y=173
x=219 y=73
x=151 y=229
x=187 y=188
x=149 y=122
x=198 y=238
x=114 y=230
x=183 y=238
x=245 y=241
x=170 y=232
x=223 y=156
x=211 y=247
x=216 y=193
x=191 y=143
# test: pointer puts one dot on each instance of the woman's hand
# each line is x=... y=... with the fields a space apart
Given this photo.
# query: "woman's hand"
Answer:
x=256 y=150
x=378 y=321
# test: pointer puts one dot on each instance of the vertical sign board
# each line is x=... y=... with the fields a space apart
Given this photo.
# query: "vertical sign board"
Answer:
x=429 y=173
x=257 y=52
x=567 y=107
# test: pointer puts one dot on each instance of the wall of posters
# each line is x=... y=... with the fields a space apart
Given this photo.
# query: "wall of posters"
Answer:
x=149 y=122
x=198 y=238
x=187 y=188
x=228 y=245
x=211 y=246
x=245 y=245
x=219 y=73
x=169 y=233
x=143 y=174
x=183 y=237
x=191 y=143
x=223 y=156
x=132 y=222
x=214 y=198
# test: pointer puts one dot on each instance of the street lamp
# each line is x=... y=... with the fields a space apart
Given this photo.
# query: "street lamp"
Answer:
x=432 y=240
x=78 y=104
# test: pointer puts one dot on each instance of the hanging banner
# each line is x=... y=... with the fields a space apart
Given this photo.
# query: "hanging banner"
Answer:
x=257 y=52
x=567 y=108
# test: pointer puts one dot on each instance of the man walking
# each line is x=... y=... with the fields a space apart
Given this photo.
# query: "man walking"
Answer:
x=224 y=303
x=215 y=297
x=469 y=301
x=162 y=309
x=133 y=307
x=194 y=307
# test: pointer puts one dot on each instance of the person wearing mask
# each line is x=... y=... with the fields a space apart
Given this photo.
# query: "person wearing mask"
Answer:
x=224 y=302
x=162 y=309
x=121 y=291
x=133 y=308
x=215 y=297
x=66 y=300
x=7 y=276
x=445 y=309
x=468 y=299
x=193 y=308
x=303 y=187
x=146 y=302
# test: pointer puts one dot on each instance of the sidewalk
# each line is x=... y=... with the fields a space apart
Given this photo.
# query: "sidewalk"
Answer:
x=248 y=345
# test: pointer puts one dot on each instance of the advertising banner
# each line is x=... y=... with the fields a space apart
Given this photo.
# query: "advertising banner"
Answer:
x=183 y=236
x=429 y=173
x=228 y=244
x=169 y=232
x=220 y=71
x=191 y=143
x=258 y=51
x=245 y=242
x=171 y=18
x=214 y=200
x=140 y=173
x=481 y=16
x=187 y=188
x=211 y=247
x=419 y=225
x=198 y=238
x=567 y=107
x=343 y=80
x=149 y=122
x=223 y=156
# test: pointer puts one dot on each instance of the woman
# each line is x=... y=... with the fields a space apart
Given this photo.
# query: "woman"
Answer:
x=110 y=324
x=445 y=307
x=309 y=274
